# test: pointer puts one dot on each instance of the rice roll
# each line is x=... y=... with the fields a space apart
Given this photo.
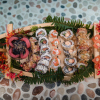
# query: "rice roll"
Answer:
x=44 y=62
x=71 y=62
x=71 y=52
x=55 y=42
x=43 y=41
x=41 y=33
x=68 y=34
x=56 y=52
x=53 y=33
x=68 y=45
x=44 y=49
x=68 y=71
x=41 y=68
x=46 y=56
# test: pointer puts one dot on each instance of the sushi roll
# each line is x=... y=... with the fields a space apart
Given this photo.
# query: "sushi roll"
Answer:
x=53 y=33
x=56 y=52
x=44 y=49
x=55 y=42
x=84 y=54
x=68 y=45
x=71 y=62
x=41 y=33
x=41 y=68
x=71 y=52
x=44 y=62
x=43 y=41
x=68 y=34
x=68 y=71
x=55 y=63
x=46 y=56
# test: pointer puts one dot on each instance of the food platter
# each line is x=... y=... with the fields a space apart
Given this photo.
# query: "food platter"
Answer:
x=59 y=47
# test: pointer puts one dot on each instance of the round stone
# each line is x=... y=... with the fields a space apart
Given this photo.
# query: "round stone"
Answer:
x=25 y=87
x=34 y=98
x=73 y=16
x=60 y=91
x=41 y=11
x=65 y=97
x=48 y=98
x=34 y=23
x=75 y=4
x=2 y=91
x=30 y=14
x=98 y=18
x=44 y=1
x=68 y=5
x=79 y=0
x=92 y=85
x=71 y=90
x=58 y=83
x=95 y=8
x=23 y=3
x=49 y=85
x=40 y=21
x=19 y=17
x=57 y=5
x=15 y=6
x=53 y=10
x=41 y=98
x=26 y=95
x=4 y=1
x=1 y=99
x=89 y=22
x=84 y=14
x=90 y=93
x=57 y=97
x=80 y=6
x=10 y=90
x=25 y=22
x=63 y=14
x=80 y=88
x=16 y=94
x=64 y=1
x=19 y=23
x=13 y=85
x=74 y=97
x=27 y=6
x=97 y=91
x=52 y=93
x=80 y=16
x=89 y=7
x=97 y=98
x=62 y=6
x=83 y=97
x=72 y=10
x=85 y=3
x=16 y=1
x=58 y=14
x=46 y=93
x=31 y=4
x=7 y=97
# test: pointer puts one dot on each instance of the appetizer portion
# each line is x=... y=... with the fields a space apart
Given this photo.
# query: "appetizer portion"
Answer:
x=53 y=33
x=56 y=52
x=55 y=42
x=43 y=41
x=41 y=33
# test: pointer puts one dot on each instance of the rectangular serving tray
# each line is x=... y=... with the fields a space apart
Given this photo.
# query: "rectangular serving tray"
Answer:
x=10 y=29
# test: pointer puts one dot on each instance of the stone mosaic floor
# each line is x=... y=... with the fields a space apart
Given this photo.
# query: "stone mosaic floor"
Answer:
x=89 y=89
x=28 y=12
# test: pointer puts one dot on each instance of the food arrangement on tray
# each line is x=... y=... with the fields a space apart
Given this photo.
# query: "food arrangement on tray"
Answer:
x=52 y=53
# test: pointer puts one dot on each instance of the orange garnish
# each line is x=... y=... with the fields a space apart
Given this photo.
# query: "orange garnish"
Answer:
x=96 y=38
x=97 y=44
x=56 y=63
x=53 y=42
x=96 y=60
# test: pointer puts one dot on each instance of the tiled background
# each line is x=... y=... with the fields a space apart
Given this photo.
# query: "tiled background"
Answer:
x=28 y=12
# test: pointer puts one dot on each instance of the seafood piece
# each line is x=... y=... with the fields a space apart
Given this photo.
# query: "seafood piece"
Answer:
x=43 y=41
x=41 y=33
x=25 y=55
x=53 y=33
x=97 y=44
x=33 y=40
x=55 y=42
x=41 y=68
x=56 y=51
x=71 y=52
x=69 y=70
x=71 y=62
x=46 y=56
x=44 y=49
x=44 y=62
x=68 y=34
x=96 y=59
x=84 y=54
x=55 y=63
x=68 y=45
x=35 y=58
x=96 y=38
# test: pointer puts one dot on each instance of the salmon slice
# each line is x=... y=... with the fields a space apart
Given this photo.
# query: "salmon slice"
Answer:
x=96 y=38
x=55 y=42
x=96 y=60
